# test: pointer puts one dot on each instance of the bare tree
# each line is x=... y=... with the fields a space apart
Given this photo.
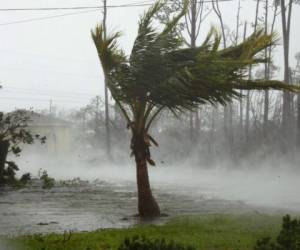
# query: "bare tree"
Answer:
x=286 y=14
x=268 y=54
x=266 y=96
x=193 y=21
x=297 y=56
x=216 y=8
x=247 y=124
x=194 y=17
x=241 y=124
x=228 y=108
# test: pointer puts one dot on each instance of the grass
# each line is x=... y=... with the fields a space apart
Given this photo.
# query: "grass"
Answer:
x=205 y=232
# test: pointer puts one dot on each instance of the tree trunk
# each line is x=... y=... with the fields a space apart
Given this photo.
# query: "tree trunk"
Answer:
x=230 y=129
x=4 y=145
x=298 y=120
x=267 y=67
x=286 y=116
x=266 y=113
x=242 y=93
x=248 y=101
x=191 y=131
x=212 y=131
x=194 y=129
x=147 y=205
x=197 y=124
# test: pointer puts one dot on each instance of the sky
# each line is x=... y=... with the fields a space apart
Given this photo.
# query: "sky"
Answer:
x=53 y=62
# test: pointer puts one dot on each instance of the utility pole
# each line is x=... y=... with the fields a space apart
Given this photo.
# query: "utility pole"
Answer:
x=107 y=127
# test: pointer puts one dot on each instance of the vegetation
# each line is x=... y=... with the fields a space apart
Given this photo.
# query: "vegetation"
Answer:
x=288 y=238
x=160 y=74
x=143 y=243
x=47 y=182
x=204 y=232
x=14 y=132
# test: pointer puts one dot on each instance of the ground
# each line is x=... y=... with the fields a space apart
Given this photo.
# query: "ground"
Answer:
x=204 y=232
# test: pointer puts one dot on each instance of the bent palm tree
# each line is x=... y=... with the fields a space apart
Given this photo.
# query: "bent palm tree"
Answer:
x=160 y=74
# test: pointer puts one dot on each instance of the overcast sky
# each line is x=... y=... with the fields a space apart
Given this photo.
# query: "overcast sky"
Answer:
x=55 y=59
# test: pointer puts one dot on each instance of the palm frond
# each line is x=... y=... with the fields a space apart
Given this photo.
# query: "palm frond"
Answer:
x=109 y=53
x=160 y=73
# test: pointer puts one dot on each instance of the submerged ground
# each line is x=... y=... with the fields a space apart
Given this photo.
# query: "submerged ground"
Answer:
x=108 y=200
x=86 y=207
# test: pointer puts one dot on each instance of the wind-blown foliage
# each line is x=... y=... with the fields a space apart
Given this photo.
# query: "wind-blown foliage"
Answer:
x=161 y=74
x=14 y=132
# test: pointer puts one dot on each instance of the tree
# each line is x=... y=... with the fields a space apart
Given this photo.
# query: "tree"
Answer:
x=297 y=76
x=228 y=108
x=194 y=17
x=286 y=14
x=160 y=74
x=13 y=132
x=268 y=64
x=96 y=119
x=247 y=123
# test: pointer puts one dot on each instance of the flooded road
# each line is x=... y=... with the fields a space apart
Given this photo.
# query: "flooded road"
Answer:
x=110 y=202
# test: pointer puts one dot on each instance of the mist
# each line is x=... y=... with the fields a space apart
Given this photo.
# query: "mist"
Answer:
x=200 y=139
x=271 y=183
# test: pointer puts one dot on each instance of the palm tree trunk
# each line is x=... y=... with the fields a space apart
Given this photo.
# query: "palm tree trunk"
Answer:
x=4 y=145
x=147 y=205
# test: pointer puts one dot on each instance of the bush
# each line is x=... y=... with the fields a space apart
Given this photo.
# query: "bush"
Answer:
x=22 y=182
x=25 y=178
x=142 y=243
x=48 y=182
x=288 y=238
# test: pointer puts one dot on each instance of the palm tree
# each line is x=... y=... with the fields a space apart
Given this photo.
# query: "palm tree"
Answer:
x=160 y=74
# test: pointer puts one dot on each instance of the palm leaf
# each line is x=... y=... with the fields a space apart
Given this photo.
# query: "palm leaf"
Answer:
x=161 y=74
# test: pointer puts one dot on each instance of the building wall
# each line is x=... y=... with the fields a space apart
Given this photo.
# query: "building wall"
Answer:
x=58 y=138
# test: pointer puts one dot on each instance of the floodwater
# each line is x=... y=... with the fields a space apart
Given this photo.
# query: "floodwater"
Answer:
x=91 y=206
x=110 y=201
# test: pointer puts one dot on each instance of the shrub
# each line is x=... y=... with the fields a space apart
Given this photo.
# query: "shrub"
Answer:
x=48 y=182
x=13 y=132
x=142 y=243
x=25 y=178
x=288 y=238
